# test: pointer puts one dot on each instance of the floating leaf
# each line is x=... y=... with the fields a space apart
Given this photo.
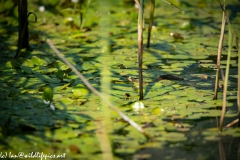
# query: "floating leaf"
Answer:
x=186 y=25
x=28 y=63
x=157 y=111
x=80 y=92
x=60 y=74
x=16 y=63
x=8 y=65
x=66 y=101
x=37 y=61
x=175 y=137
x=51 y=80
x=27 y=69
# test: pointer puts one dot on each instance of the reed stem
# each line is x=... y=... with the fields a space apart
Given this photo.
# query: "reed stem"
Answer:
x=140 y=48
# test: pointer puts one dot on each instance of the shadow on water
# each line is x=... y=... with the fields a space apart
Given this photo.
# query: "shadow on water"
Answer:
x=26 y=123
x=197 y=148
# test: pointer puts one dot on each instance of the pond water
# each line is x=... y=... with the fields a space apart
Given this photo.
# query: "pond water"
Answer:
x=179 y=114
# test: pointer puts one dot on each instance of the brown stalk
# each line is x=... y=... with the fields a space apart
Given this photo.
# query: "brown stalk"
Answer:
x=220 y=44
x=140 y=48
x=152 y=7
x=232 y=123
x=237 y=46
x=227 y=72
x=81 y=13
x=23 y=26
x=137 y=2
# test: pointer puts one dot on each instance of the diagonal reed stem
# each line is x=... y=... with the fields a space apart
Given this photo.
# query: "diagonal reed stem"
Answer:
x=122 y=115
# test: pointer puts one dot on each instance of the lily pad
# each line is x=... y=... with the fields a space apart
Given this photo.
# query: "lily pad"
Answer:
x=80 y=92
x=27 y=69
x=37 y=61
x=66 y=101
x=175 y=137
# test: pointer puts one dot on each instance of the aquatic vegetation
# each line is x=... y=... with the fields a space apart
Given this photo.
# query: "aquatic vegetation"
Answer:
x=177 y=112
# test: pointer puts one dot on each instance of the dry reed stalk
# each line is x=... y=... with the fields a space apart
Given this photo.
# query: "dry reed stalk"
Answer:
x=220 y=44
x=226 y=74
